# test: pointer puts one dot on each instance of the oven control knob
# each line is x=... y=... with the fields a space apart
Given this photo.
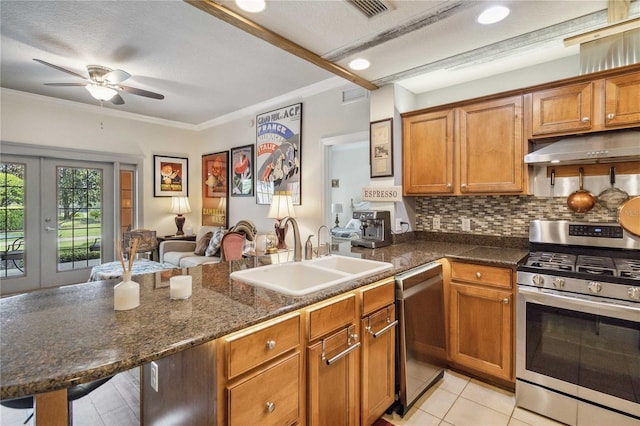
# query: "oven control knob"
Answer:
x=558 y=282
x=594 y=287
x=538 y=280
x=634 y=293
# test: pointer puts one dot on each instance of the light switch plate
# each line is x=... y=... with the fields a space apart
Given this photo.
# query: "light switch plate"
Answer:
x=466 y=224
x=154 y=376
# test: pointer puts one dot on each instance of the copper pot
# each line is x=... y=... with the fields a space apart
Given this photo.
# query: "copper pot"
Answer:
x=581 y=201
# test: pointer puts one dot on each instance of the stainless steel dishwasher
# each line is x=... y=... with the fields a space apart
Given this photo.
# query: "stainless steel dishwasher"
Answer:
x=421 y=336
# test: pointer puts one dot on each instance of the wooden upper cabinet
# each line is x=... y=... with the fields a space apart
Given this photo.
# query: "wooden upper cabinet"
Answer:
x=622 y=100
x=491 y=147
x=563 y=109
x=427 y=153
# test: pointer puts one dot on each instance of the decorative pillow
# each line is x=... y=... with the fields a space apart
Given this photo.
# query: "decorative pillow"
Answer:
x=202 y=243
x=214 y=245
x=249 y=247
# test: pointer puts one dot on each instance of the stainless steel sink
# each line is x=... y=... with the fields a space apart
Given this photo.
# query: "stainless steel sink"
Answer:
x=301 y=278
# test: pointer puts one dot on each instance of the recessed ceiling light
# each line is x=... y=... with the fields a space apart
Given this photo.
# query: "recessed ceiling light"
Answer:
x=493 y=14
x=252 y=6
x=359 y=64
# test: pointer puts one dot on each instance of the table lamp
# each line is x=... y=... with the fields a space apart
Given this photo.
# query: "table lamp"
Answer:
x=336 y=208
x=180 y=205
x=281 y=206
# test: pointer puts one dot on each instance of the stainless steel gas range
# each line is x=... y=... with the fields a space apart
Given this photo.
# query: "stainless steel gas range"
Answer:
x=578 y=324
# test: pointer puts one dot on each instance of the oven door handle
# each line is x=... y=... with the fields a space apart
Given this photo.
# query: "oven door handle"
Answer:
x=543 y=297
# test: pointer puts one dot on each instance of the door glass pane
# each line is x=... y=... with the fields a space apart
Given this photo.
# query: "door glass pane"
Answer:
x=12 y=213
x=126 y=200
x=79 y=200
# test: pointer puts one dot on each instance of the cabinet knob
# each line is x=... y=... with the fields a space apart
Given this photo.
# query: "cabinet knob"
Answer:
x=610 y=116
x=478 y=274
x=464 y=185
x=270 y=406
x=271 y=344
x=585 y=119
x=448 y=185
x=505 y=300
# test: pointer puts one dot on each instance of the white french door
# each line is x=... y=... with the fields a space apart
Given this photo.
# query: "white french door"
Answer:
x=68 y=221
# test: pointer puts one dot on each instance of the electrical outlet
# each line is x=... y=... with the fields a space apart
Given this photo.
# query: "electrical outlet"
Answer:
x=398 y=225
x=436 y=223
x=466 y=224
x=154 y=376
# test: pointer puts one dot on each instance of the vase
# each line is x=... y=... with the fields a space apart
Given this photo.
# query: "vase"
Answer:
x=126 y=294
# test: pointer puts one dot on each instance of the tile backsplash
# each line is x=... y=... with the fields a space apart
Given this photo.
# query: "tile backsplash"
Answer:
x=499 y=215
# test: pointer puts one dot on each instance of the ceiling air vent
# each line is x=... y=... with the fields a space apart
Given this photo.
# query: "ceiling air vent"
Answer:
x=370 y=8
x=354 y=95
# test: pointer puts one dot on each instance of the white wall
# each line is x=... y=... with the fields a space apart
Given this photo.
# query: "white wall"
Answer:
x=38 y=120
x=323 y=115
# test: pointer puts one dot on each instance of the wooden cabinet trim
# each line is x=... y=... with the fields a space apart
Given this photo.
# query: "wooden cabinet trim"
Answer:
x=377 y=296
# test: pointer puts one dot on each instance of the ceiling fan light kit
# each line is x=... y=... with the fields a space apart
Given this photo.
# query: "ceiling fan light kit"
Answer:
x=101 y=93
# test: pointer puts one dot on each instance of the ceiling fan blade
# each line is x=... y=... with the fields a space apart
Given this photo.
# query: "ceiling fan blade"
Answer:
x=140 y=92
x=117 y=100
x=65 y=84
x=60 y=69
x=116 y=76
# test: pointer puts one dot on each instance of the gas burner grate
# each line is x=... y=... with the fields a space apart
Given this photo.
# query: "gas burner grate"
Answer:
x=555 y=261
x=628 y=268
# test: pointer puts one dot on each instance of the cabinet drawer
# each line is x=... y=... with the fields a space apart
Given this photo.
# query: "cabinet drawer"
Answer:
x=269 y=398
x=481 y=274
x=378 y=296
x=248 y=350
x=331 y=316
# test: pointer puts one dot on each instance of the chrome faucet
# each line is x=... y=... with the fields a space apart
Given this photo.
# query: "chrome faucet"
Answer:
x=327 y=246
x=297 y=250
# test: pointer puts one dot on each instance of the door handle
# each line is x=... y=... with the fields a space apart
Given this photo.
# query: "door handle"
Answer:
x=49 y=229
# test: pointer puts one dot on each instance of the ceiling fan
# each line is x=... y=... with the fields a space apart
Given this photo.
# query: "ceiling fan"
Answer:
x=103 y=83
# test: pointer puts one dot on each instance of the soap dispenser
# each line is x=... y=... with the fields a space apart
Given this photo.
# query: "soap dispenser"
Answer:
x=308 y=249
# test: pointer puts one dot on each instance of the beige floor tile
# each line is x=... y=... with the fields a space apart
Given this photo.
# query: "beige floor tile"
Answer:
x=465 y=412
x=515 y=422
x=443 y=423
x=453 y=382
x=414 y=417
x=436 y=401
x=531 y=418
x=490 y=396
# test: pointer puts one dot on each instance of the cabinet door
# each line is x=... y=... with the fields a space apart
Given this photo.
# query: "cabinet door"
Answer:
x=481 y=329
x=622 y=100
x=491 y=147
x=427 y=153
x=333 y=379
x=562 y=110
x=378 y=364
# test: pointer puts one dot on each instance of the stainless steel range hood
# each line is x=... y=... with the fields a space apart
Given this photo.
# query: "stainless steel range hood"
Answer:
x=594 y=148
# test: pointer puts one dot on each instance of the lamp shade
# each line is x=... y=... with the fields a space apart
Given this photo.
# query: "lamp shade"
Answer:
x=180 y=205
x=281 y=206
x=101 y=93
x=336 y=208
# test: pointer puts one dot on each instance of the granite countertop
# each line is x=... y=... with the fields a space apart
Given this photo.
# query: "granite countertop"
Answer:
x=59 y=337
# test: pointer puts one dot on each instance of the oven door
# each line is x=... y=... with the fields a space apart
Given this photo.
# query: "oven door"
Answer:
x=585 y=348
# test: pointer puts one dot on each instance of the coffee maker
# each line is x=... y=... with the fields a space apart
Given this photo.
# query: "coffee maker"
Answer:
x=375 y=226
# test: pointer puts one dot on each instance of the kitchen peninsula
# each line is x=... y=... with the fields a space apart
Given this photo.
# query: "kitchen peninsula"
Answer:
x=56 y=338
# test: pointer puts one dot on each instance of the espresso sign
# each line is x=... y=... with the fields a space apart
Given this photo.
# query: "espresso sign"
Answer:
x=382 y=193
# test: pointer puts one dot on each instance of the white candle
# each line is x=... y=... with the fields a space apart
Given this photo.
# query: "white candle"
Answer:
x=180 y=287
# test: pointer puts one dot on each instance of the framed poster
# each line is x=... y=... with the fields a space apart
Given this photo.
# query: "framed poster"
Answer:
x=215 y=189
x=278 y=147
x=170 y=176
x=242 y=171
x=381 y=148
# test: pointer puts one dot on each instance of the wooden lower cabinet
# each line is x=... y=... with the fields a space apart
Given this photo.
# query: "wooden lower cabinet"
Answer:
x=378 y=364
x=332 y=379
x=481 y=329
x=268 y=398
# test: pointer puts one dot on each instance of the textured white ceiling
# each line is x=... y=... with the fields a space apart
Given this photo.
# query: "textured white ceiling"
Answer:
x=206 y=68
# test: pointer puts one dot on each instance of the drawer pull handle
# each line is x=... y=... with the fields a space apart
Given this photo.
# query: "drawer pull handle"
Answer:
x=271 y=344
x=388 y=327
x=343 y=353
x=478 y=275
x=270 y=406
x=505 y=300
